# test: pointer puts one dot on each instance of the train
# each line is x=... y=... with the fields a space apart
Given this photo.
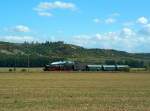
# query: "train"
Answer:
x=60 y=66
x=72 y=66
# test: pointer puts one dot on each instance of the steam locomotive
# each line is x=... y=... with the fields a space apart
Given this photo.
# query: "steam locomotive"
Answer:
x=72 y=66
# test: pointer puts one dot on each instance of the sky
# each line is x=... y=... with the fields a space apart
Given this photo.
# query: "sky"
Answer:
x=107 y=24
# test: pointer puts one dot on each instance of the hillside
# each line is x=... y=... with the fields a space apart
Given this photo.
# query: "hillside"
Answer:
x=43 y=53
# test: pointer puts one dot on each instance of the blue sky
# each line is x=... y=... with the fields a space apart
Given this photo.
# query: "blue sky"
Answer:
x=109 y=24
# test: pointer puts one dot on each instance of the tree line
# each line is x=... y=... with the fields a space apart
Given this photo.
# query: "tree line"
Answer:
x=37 y=61
x=40 y=54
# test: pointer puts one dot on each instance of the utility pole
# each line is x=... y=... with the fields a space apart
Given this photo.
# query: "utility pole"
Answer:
x=14 y=63
x=28 y=56
x=28 y=62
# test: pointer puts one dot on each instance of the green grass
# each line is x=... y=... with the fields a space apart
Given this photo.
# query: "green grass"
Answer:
x=74 y=91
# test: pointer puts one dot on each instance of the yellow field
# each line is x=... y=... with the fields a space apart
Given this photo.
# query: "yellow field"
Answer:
x=74 y=92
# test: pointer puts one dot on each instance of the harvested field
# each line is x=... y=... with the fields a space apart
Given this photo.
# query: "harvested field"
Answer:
x=74 y=91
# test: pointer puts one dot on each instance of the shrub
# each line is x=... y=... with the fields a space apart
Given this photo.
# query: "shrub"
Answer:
x=24 y=70
x=10 y=70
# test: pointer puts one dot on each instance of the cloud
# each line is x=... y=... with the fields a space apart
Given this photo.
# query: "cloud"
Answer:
x=106 y=21
x=18 y=28
x=142 y=20
x=125 y=40
x=56 y=5
x=45 y=8
x=82 y=40
x=145 y=30
x=110 y=21
x=46 y=14
x=18 y=39
x=115 y=14
x=97 y=20
x=127 y=32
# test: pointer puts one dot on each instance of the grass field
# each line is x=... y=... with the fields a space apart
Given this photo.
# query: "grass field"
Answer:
x=74 y=91
x=23 y=69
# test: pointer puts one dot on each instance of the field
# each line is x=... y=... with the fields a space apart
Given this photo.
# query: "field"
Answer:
x=23 y=69
x=74 y=91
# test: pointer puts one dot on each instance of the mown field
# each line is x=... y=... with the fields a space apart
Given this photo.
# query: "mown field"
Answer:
x=74 y=91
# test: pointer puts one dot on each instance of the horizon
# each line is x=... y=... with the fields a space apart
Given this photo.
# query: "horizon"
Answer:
x=77 y=46
x=118 y=25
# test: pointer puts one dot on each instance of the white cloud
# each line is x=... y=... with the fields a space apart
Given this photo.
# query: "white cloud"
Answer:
x=110 y=21
x=56 y=5
x=127 y=32
x=18 y=39
x=19 y=28
x=82 y=40
x=125 y=40
x=142 y=20
x=97 y=20
x=44 y=7
x=145 y=30
x=46 y=14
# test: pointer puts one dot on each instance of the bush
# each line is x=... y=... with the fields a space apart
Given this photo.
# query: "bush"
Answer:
x=127 y=70
x=10 y=70
x=24 y=70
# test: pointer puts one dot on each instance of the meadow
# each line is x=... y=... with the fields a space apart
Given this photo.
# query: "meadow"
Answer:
x=72 y=91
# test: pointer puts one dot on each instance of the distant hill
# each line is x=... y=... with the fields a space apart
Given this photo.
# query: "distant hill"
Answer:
x=43 y=53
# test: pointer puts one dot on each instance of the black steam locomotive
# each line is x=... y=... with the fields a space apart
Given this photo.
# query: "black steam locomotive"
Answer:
x=60 y=66
x=72 y=66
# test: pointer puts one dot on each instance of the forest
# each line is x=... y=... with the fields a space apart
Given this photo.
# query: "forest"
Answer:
x=39 y=54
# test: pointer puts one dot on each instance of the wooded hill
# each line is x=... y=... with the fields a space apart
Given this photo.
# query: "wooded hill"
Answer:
x=16 y=54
